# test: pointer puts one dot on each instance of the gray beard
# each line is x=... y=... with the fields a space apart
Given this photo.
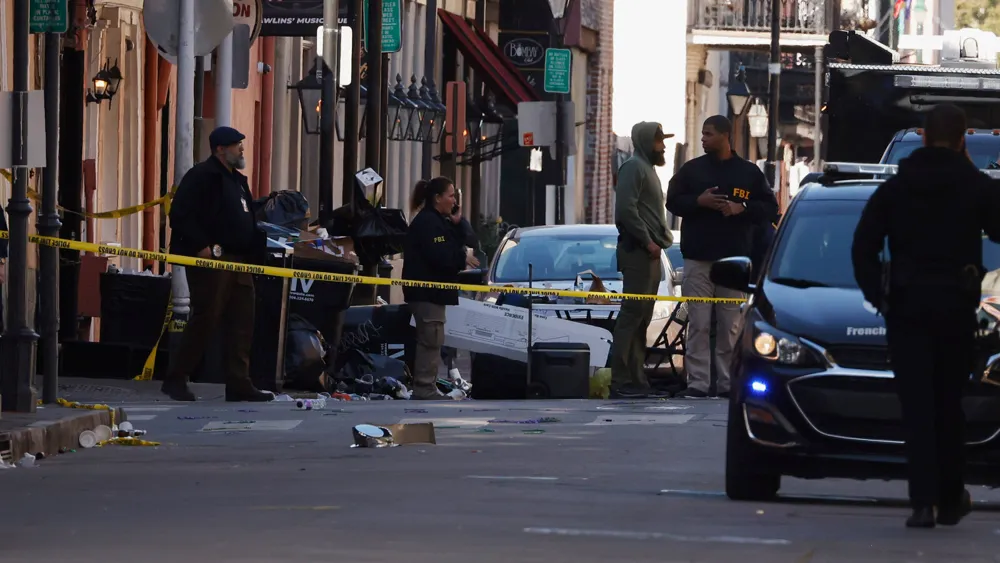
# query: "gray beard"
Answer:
x=237 y=163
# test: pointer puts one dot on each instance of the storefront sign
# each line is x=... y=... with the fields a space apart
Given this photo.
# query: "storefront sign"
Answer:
x=248 y=12
x=524 y=52
x=299 y=18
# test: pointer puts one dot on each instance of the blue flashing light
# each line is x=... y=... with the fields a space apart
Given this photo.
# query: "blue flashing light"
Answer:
x=758 y=387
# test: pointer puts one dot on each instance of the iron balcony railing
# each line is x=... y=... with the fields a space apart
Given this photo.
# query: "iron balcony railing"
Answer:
x=797 y=16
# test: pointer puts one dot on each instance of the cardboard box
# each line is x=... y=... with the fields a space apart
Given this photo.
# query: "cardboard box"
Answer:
x=336 y=248
x=501 y=330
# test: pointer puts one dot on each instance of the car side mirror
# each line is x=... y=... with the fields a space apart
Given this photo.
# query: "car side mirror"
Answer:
x=472 y=277
x=732 y=273
x=678 y=277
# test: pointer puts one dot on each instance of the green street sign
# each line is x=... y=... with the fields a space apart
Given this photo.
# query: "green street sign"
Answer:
x=49 y=16
x=558 y=70
x=392 y=25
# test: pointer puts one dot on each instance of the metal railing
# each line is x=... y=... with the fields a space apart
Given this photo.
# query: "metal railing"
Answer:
x=797 y=16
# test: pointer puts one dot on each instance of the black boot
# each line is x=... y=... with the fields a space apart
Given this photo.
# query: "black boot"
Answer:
x=177 y=391
x=247 y=394
x=952 y=514
x=921 y=518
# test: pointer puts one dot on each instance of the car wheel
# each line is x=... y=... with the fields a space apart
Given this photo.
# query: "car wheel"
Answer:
x=747 y=476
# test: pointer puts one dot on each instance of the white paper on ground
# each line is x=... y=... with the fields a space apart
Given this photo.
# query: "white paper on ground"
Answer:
x=485 y=328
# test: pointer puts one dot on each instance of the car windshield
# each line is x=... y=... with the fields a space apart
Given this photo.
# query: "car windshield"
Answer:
x=984 y=150
x=675 y=256
x=556 y=257
x=815 y=247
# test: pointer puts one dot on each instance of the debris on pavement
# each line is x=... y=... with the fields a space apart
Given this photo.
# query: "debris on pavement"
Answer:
x=542 y=420
x=392 y=435
x=600 y=384
x=27 y=461
x=124 y=434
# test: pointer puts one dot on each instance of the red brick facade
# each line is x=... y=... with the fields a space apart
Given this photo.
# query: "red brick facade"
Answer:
x=598 y=183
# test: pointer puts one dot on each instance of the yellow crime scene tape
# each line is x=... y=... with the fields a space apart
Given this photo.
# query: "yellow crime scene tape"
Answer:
x=149 y=365
x=115 y=214
x=280 y=272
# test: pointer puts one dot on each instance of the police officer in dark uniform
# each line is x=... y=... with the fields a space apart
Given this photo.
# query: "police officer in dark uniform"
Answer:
x=929 y=295
x=212 y=217
x=4 y=246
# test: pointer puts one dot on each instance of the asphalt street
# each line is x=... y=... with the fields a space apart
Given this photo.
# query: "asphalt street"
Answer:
x=595 y=482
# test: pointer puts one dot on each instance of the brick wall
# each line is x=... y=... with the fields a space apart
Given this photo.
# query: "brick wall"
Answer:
x=598 y=183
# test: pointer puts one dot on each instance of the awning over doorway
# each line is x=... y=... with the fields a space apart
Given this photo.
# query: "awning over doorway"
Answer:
x=488 y=61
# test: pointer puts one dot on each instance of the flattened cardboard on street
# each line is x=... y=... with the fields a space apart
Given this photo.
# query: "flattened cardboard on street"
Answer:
x=416 y=433
x=501 y=330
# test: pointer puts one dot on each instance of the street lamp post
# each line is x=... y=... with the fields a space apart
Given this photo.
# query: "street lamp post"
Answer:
x=738 y=95
x=429 y=95
x=774 y=85
x=310 y=91
x=757 y=116
x=19 y=340
x=328 y=119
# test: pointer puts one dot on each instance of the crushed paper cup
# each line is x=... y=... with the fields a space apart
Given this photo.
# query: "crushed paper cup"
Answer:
x=371 y=436
x=103 y=433
x=88 y=439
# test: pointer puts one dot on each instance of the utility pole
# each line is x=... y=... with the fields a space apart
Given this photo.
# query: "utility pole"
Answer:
x=199 y=106
x=374 y=106
x=18 y=343
x=71 y=110
x=184 y=149
x=48 y=226
x=559 y=28
x=224 y=82
x=818 y=105
x=352 y=106
x=328 y=106
x=774 y=91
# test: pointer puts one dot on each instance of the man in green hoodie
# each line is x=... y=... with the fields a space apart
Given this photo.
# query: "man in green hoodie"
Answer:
x=643 y=233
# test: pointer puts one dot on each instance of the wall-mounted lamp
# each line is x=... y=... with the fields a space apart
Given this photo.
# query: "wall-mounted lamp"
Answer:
x=106 y=84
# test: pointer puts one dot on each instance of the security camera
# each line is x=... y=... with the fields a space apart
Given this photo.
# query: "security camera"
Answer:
x=263 y=68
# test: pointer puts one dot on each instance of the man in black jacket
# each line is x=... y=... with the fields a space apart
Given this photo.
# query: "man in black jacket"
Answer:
x=212 y=217
x=929 y=301
x=4 y=245
x=721 y=199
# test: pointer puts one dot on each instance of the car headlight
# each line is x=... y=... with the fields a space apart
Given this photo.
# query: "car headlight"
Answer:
x=782 y=348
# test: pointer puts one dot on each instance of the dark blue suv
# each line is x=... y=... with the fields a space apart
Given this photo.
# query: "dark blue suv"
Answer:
x=812 y=392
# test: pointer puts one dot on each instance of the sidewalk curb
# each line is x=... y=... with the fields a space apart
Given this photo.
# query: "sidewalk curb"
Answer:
x=49 y=436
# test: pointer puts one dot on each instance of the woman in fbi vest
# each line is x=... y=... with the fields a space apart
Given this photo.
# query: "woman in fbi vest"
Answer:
x=434 y=252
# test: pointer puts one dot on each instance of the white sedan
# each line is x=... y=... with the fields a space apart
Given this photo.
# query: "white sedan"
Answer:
x=560 y=254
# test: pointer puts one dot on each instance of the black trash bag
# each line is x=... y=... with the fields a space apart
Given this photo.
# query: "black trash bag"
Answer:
x=391 y=387
x=386 y=367
x=364 y=373
x=350 y=375
x=305 y=356
x=380 y=232
x=286 y=208
x=377 y=232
